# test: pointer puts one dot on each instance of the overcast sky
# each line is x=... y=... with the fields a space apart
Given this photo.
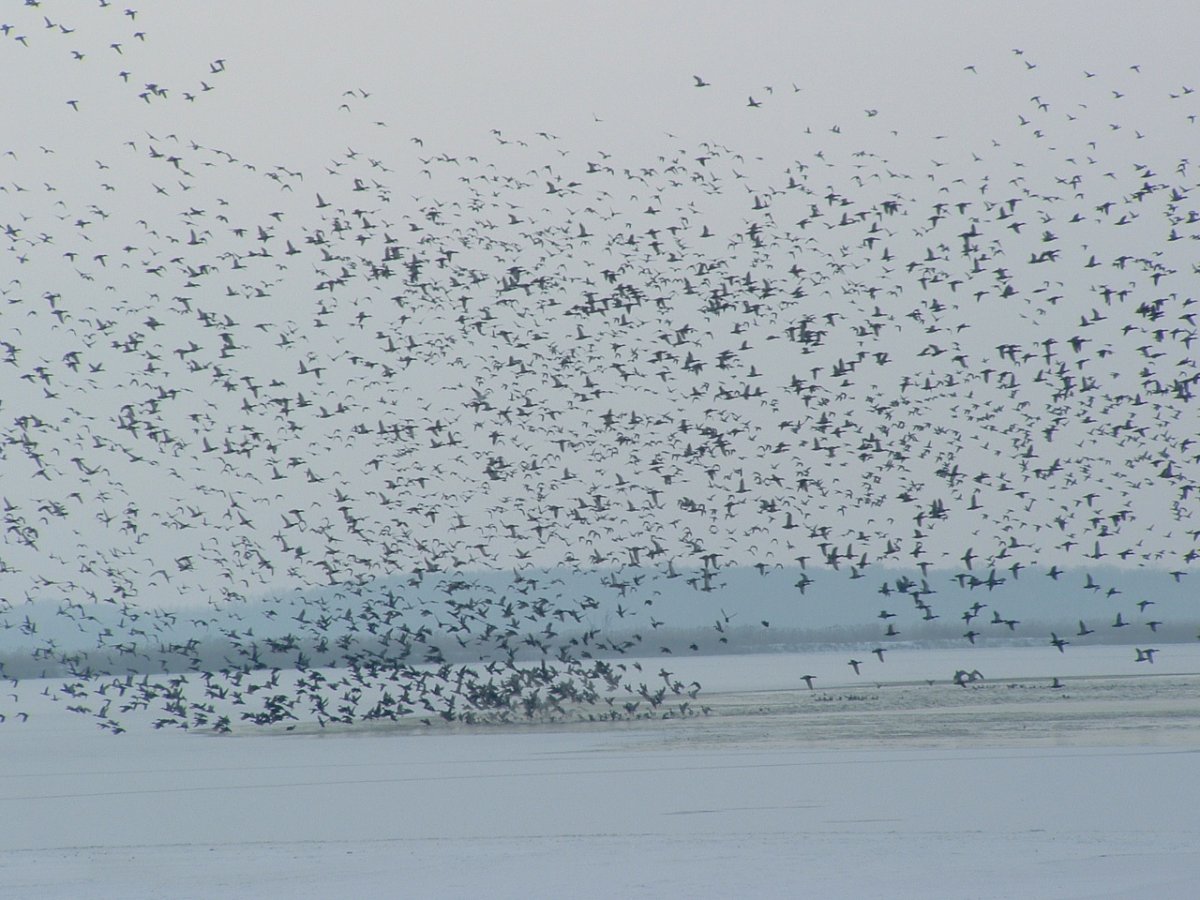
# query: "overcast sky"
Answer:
x=938 y=95
x=451 y=72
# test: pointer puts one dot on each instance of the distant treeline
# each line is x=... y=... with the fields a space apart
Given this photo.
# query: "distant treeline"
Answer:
x=218 y=652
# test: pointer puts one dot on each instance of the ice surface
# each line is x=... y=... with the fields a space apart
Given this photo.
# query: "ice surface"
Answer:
x=868 y=788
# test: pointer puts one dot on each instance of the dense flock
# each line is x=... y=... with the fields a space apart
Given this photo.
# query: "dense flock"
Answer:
x=400 y=400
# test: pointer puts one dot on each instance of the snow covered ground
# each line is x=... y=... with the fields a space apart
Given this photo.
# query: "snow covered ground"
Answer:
x=879 y=785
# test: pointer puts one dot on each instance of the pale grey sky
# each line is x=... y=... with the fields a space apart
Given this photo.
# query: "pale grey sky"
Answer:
x=450 y=72
x=880 y=86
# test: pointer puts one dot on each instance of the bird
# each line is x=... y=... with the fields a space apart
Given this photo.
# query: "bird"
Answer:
x=962 y=677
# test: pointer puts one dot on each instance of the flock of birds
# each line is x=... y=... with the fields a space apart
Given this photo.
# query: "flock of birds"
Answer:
x=289 y=444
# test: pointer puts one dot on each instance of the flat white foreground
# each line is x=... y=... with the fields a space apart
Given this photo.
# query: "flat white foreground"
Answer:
x=873 y=789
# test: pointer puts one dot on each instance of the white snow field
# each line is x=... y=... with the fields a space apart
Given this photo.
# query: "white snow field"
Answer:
x=863 y=787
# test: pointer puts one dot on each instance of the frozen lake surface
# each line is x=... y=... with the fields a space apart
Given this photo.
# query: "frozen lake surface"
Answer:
x=867 y=786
